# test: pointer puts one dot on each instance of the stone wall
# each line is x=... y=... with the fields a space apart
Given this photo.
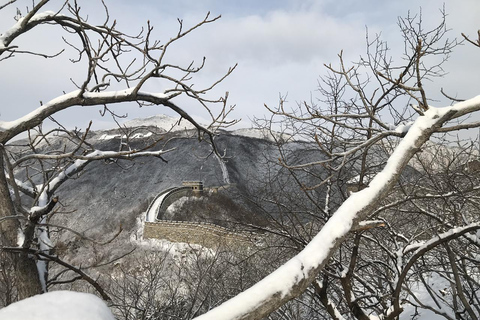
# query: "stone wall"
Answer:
x=205 y=234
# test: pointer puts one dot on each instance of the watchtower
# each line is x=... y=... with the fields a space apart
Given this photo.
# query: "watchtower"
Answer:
x=197 y=186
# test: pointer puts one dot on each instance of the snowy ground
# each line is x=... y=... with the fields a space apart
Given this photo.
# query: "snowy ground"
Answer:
x=58 y=305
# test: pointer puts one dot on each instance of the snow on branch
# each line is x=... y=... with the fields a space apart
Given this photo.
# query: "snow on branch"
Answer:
x=98 y=155
x=24 y=187
x=419 y=249
x=9 y=129
x=24 y=24
x=115 y=43
x=38 y=211
x=369 y=224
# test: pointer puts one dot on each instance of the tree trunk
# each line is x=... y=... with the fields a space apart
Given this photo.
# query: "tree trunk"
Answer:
x=27 y=280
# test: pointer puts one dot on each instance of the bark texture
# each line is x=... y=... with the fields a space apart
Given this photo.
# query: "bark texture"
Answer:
x=28 y=282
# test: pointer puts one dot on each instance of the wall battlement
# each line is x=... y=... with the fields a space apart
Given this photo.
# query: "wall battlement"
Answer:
x=205 y=234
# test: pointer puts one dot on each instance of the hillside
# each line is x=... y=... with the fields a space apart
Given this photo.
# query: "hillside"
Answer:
x=109 y=193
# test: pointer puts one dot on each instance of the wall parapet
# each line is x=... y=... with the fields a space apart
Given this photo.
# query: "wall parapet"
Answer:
x=202 y=233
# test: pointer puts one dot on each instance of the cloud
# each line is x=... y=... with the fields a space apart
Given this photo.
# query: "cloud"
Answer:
x=281 y=37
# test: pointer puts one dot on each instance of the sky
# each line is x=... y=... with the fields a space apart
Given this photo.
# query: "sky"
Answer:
x=280 y=46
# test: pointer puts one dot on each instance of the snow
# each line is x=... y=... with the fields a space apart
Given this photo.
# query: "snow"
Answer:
x=68 y=171
x=327 y=198
x=338 y=315
x=161 y=121
x=437 y=284
x=223 y=167
x=23 y=185
x=466 y=106
x=134 y=136
x=109 y=136
x=108 y=94
x=20 y=237
x=14 y=29
x=176 y=249
x=39 y=112
x=53 y=105
x=42 y=273
x=42 y=16
x=42 y=234
x=58 y=305
x=369 y=222
x=176 y=205
x=419 y=246
x=403 y=127
x=45 y=245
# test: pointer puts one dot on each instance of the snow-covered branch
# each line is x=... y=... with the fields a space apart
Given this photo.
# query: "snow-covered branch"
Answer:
x=10 y=129
x=419 y=249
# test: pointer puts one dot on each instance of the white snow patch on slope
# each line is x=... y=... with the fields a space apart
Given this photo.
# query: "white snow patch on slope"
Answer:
x=107 y=136
x=438 y=285
x=223 y=167
x=58 y=305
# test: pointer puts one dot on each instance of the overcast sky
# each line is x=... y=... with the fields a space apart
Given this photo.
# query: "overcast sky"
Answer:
x=280 y=47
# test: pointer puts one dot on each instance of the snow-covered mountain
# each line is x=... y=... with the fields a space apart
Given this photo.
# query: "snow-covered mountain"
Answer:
x=160 y=121
x=109 y=193
x=176 y=124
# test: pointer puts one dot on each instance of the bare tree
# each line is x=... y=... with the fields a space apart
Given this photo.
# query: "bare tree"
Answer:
x=118 y=66
x=375 y=107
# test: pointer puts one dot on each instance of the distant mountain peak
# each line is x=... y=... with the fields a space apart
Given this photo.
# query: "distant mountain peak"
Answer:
x=169 y=123
x=161 y=121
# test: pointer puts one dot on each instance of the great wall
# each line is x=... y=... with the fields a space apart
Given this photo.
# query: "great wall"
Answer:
x=205 y=234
